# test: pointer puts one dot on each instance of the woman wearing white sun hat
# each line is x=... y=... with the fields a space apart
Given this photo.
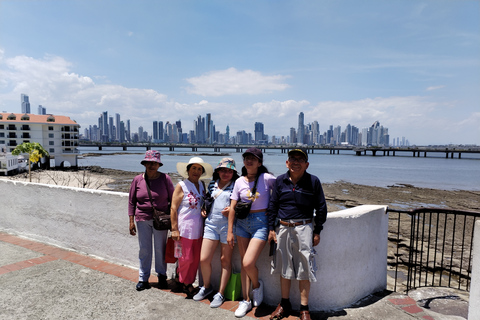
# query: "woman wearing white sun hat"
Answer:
x=187 y=219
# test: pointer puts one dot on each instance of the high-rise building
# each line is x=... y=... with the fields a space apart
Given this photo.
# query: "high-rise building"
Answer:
x=301 y=129
x=25 y=103
x=42 y=110
x=160 y=131
x=315 y=132
x=128 y=133
x=258 y=132
x=117 y=126
x=155 y=131
x=122 y=132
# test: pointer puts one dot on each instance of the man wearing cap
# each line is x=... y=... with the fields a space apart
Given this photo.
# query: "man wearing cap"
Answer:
x=295 y=229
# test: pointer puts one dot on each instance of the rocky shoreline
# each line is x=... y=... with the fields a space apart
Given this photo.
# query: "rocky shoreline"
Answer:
x=339 y=195
x=342 y=194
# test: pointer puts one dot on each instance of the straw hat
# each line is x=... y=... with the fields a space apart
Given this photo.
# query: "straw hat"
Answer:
x=182 y=167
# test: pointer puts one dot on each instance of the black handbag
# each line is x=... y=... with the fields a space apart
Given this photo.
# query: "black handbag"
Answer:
x=161 y=220
x=242 y=208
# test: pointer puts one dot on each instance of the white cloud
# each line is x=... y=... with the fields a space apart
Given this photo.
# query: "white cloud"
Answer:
x=51 y=83
x=235 y=82
x=432 y=88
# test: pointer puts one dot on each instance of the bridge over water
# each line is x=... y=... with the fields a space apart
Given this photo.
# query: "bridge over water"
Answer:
x=449 y=152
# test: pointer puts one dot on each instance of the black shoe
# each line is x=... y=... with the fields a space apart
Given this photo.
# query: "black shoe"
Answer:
x=162 y=281
x=142 y=285
x=189 y=290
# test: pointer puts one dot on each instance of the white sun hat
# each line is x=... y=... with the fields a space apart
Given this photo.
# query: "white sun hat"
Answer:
x=182 y=168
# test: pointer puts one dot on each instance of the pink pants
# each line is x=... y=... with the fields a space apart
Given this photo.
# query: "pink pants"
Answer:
x=188 y=263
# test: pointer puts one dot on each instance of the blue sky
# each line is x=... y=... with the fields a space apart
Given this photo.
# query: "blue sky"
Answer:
x=412 y=65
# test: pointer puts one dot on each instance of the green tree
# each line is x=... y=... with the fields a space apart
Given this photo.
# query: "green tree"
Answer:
x=35 y=153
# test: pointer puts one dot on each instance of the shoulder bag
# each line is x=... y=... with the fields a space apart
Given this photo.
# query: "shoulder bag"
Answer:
x=161 y=220
x=242 y=208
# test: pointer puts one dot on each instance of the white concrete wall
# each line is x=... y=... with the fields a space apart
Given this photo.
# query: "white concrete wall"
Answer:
x=474 y=307
x=351 y=259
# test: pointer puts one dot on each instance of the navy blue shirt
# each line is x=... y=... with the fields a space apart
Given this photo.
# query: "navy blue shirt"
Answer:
x=289 y=201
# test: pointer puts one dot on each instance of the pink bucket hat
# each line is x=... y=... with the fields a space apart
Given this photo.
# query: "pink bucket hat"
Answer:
x=152 y=156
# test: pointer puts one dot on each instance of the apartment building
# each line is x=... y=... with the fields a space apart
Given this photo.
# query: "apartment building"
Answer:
x=57 y=134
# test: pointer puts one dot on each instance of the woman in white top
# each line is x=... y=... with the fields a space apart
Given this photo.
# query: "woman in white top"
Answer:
x=251 y=232
x=187 y=220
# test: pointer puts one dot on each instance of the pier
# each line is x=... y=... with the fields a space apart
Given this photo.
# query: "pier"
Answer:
x=450 y=152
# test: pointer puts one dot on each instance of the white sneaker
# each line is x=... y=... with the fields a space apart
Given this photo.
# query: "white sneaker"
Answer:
x=258 y=295
x=243 y=308
x=202 y=294
x=217 y=301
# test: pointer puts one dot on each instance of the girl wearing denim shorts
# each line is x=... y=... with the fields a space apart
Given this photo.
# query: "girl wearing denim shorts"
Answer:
x=215 y=230
x=251 y=232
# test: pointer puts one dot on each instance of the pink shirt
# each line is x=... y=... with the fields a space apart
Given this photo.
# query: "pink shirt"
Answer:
x=242 y=189
x=139 y=202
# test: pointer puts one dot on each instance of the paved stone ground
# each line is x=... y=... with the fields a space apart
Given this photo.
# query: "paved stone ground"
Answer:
x=40 y=281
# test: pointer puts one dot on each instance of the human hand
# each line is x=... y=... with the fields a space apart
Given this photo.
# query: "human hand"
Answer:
x=230 y=239
x=133 y=229
x=272 y=235
x=175 y=235
x=204 y=213
x=316 y=239
x=225 y=211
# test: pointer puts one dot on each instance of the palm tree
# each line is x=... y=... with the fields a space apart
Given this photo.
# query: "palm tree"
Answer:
x=35 y=153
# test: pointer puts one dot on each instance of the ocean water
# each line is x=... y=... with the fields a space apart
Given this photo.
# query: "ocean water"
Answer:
x=435 y=171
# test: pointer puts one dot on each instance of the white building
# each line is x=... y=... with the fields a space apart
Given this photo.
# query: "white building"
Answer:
x=57 y=134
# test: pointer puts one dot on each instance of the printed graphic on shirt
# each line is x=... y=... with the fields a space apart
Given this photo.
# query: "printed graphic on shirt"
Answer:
x=252 y=197
x=193 y=200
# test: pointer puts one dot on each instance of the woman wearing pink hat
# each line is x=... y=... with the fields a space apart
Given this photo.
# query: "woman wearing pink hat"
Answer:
x=151 y=188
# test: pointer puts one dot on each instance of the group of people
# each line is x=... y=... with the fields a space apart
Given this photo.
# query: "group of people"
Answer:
x=288 y=211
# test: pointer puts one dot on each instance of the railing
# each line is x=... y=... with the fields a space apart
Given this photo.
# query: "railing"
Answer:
x=432 y=248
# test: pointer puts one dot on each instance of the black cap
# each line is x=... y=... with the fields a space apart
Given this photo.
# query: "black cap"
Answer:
x=255 y=152
x=299 y=150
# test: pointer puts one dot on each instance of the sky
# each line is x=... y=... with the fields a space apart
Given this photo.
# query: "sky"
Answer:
x=414 y=66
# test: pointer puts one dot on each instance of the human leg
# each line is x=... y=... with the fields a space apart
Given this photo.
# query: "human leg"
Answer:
x=284 y=308
x=249 y=260
x=144 y=233
x=242 y=248
x=160 y=243
x=206 y=256
x=226 y=261
x=304 y=287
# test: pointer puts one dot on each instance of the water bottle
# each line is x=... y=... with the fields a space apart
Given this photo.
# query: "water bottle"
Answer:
x=177 y=252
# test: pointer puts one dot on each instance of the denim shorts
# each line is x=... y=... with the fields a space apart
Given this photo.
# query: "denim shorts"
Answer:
x=255 y=225
x=216 y=228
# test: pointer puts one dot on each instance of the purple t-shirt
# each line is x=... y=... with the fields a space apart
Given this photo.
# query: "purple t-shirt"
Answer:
x=242 y=189
x=138 y=201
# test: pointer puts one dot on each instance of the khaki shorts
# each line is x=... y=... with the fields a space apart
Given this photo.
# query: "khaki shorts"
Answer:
x=295 y=256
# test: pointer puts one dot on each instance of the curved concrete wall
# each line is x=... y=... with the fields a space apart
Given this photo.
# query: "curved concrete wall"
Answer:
x=351 y=257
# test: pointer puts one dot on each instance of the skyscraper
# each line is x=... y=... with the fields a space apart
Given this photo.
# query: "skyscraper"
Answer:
x=259 y=133
x=117 y=126
x=42 y=110
x=25 y=103
x=155 y=131
x=301 y=129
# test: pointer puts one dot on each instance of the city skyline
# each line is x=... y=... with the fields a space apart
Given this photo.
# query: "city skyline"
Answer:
x=411 y=65
x=204 y=132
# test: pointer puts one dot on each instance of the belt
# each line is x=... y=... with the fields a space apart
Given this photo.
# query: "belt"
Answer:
x=295 y=224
